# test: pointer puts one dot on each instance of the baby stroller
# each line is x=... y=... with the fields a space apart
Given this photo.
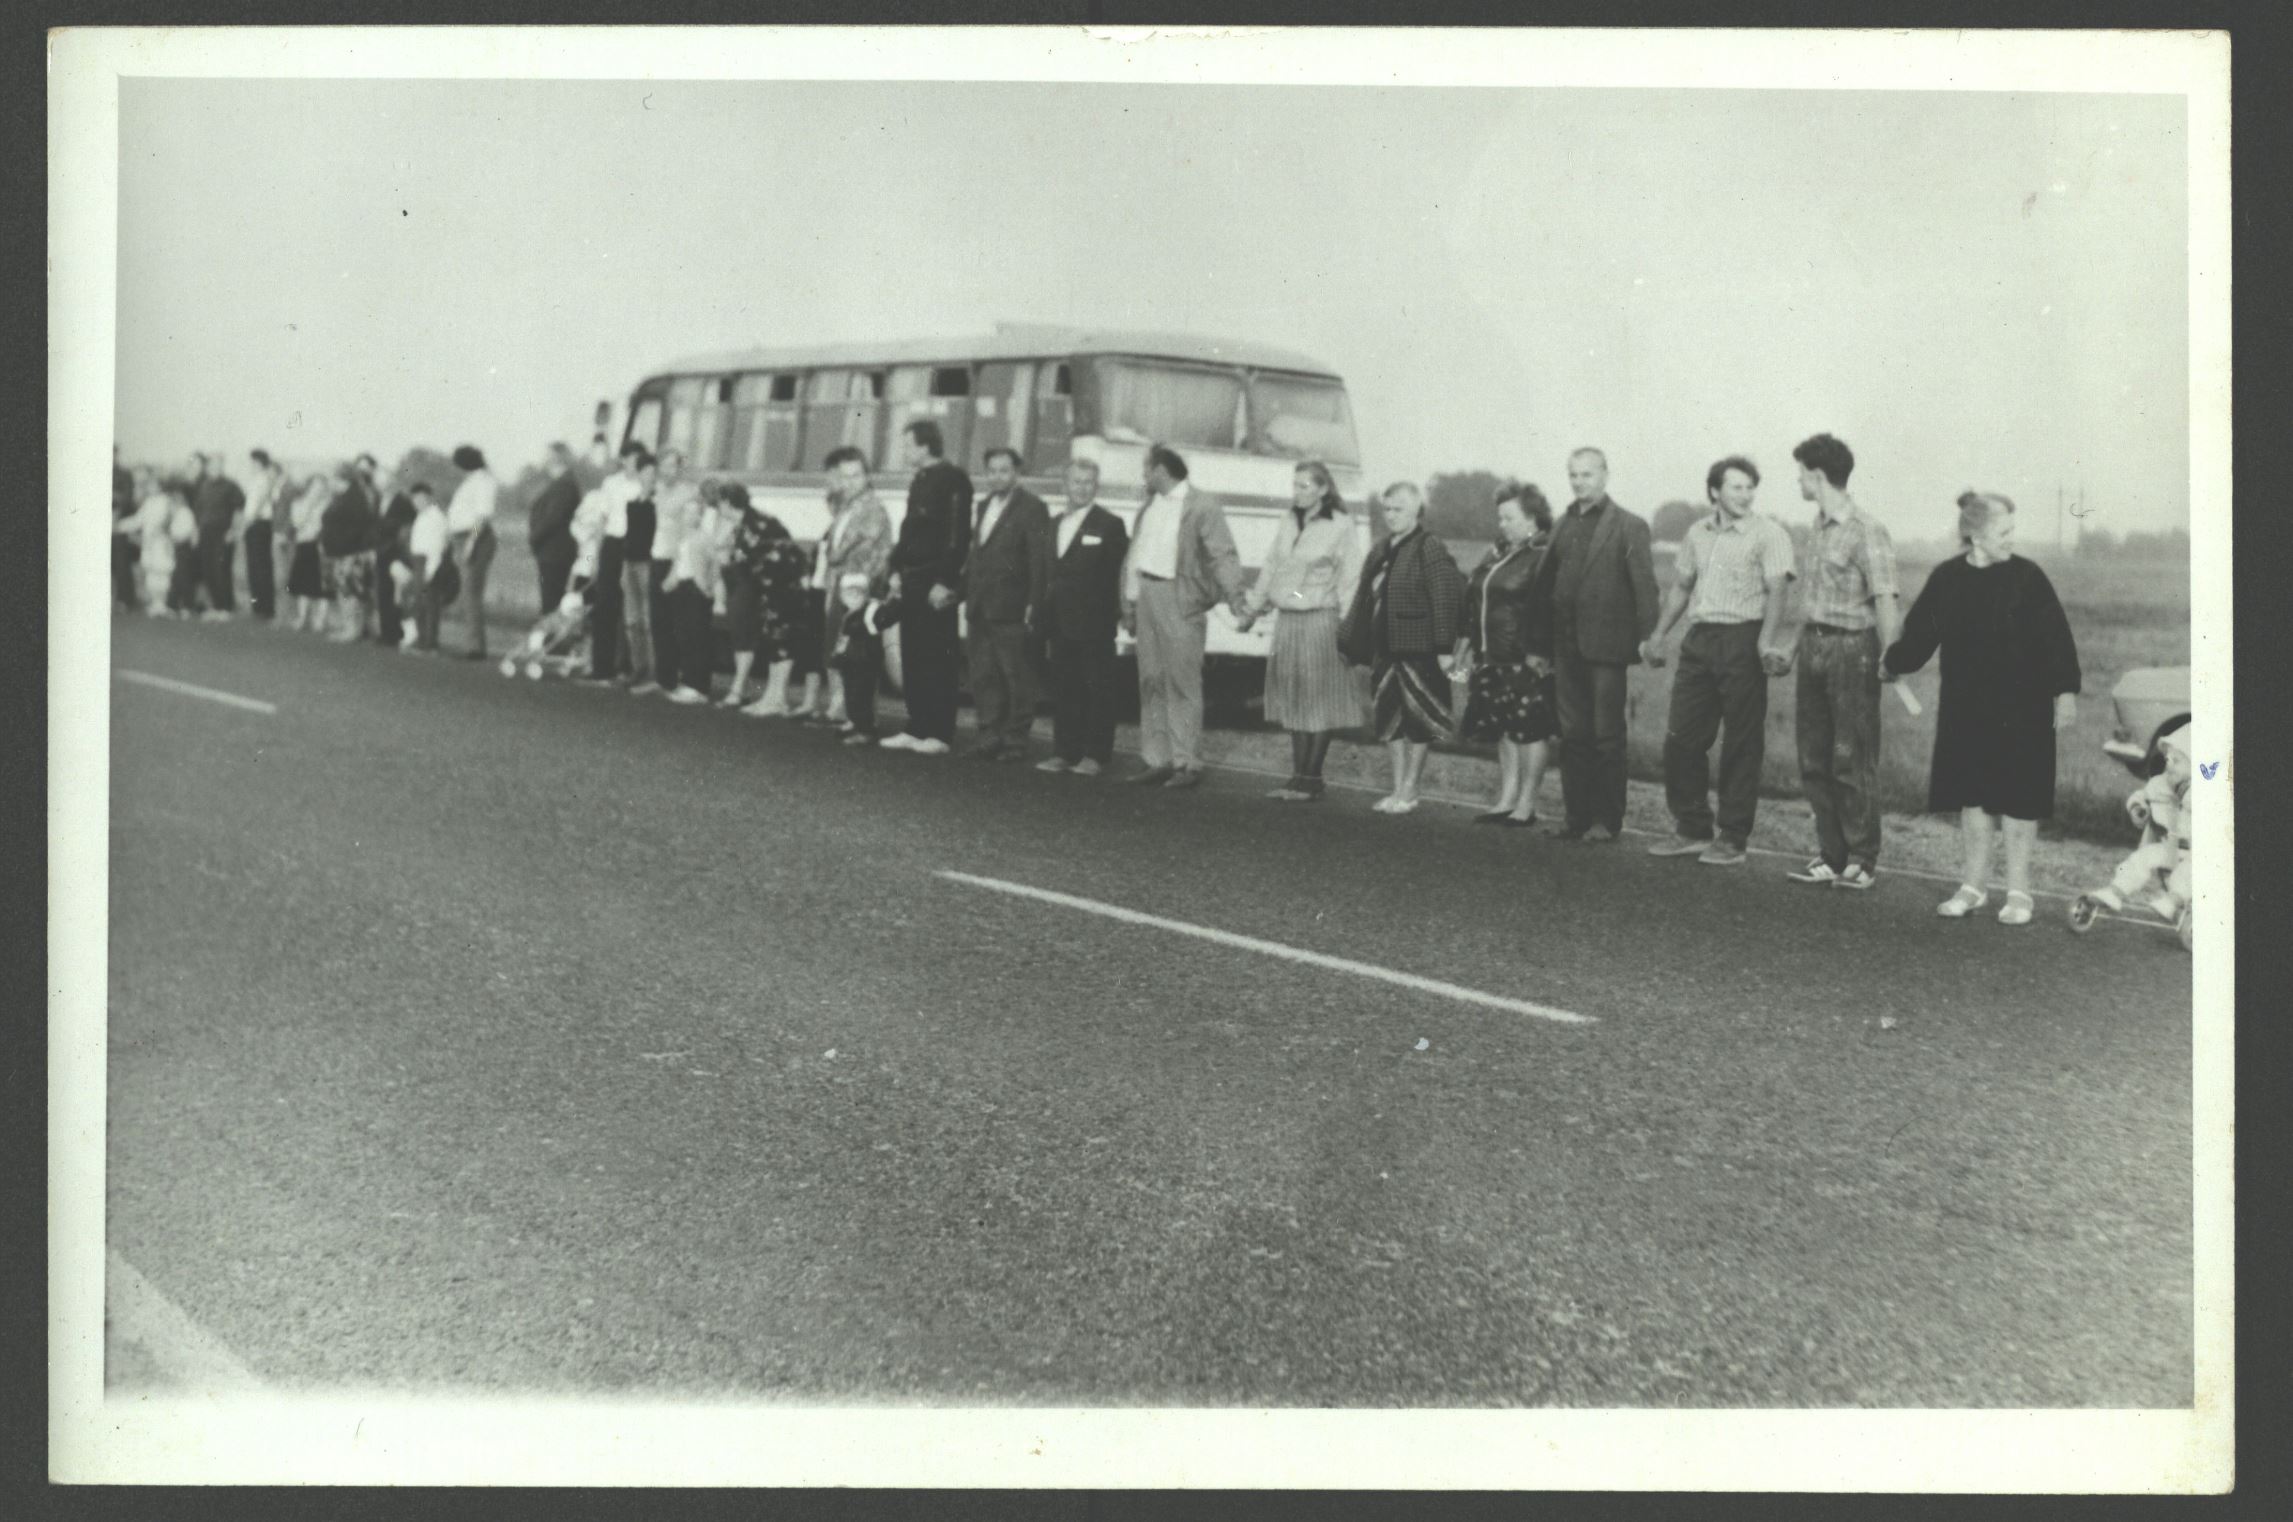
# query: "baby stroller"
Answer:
x=558 y=645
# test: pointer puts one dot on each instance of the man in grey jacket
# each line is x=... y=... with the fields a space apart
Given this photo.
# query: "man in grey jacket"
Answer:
x=1597 y=605
x=1182 y=562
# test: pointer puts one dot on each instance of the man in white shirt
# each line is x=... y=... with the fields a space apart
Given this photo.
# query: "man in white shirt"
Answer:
x=1182 y=562
x=608 y=640
x=470 y=520
x=255 y=536
x=676 y=503
x=426 y=549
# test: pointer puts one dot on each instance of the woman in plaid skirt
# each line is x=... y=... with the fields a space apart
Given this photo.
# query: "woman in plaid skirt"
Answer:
x=1405 y=618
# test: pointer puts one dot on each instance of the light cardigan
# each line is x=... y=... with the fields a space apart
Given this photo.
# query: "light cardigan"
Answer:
x=1314 y=568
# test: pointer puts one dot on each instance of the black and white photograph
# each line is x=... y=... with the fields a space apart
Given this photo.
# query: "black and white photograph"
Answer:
x=1045 y=757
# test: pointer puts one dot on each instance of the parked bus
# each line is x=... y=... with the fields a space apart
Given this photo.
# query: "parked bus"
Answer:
x=1241 y=413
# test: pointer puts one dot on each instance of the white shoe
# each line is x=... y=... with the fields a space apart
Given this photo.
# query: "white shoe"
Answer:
x=644 y=689
x=1086 y=768
x=901 y=740
x=688 y=696
x=1385 y=805
x=1963 y=903
x=931 y=747
x=2016 y=909
x=509 y=666
x=760 y=709
x=1051 y=764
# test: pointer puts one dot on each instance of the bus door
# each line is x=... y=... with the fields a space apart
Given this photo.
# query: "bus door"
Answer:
x=1001 y=411
x=1053 y=428
x=765 y=418
x=938 y=393
x=843 y=407
x=646 y=410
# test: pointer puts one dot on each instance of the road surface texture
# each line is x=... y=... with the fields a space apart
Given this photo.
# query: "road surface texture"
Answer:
x=506 y=1036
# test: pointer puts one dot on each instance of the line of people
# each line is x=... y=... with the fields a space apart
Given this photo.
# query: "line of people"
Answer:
x=1542 y=633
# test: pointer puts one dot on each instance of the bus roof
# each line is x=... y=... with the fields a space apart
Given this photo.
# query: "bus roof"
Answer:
x=1008 y=341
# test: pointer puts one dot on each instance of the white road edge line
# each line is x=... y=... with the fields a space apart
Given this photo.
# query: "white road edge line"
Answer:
x=186 y=1352
x=169 y=684
x=1275 y=949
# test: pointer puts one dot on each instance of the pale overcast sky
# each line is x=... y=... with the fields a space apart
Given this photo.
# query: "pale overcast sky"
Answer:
x=1981 y=290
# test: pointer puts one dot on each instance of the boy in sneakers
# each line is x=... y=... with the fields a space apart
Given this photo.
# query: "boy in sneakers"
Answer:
x=2158 y=873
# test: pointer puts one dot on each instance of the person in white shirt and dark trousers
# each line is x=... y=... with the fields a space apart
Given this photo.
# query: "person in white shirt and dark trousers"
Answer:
x=1182 y=563
x=470 y=520
x=433 y=579
x=689 y=584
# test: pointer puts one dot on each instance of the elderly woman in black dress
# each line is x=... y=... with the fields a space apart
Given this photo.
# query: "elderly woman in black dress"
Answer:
x=764 y=593
x=2010 y=681
x=1510 y=695
x=1403 y=623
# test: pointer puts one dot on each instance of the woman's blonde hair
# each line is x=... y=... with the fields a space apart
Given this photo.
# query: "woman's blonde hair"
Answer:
x=1976 y=509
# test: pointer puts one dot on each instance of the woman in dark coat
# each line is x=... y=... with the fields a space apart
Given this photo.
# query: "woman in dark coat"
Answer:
x=2010 y=681
x=1405 y=618
x=1510 y=696
x=764 y=594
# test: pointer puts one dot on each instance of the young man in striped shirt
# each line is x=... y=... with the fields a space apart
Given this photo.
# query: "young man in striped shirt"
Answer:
x=1732 y=578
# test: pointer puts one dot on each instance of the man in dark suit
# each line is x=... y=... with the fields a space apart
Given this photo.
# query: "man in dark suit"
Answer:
x=1007 y=580
x=549 y=527
x=927 y=577
x=216 y=503
x=1086 y=605
x=1597 y=602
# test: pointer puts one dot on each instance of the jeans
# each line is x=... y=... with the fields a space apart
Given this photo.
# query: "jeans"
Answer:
x=928 y=671
x=1719 y=681
x=1838 y=698
x=476 y=561
x=637 y=616
x=605 y=641
x=691 y=613
x=1083 y=715
x=668 y=635
x=1591 y=703
x=553 y=561
x=1002 y=683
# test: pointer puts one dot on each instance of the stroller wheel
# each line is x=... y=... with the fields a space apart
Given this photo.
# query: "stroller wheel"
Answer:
x=534 y=671
x=509 y=667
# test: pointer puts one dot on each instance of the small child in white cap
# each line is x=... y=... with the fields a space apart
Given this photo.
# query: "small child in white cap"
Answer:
x=2158 y=873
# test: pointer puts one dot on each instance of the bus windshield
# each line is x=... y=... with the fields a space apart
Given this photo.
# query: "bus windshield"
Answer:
x=1300 y=417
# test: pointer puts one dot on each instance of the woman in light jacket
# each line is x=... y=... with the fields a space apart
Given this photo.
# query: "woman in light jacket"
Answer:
x=1311 y=570
x=1510 y=695
x=1405 y=618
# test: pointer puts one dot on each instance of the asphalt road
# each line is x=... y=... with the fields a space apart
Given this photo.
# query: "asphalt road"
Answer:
x=516 y=1036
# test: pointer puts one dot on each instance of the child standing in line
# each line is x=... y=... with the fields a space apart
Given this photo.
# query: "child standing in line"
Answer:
x=183 y=548
x=858 y=656
x=2158 y=873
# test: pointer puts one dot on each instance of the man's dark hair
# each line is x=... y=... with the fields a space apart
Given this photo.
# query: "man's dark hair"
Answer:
x=1008 y=453
x=842 y=453
x=926 y=432
x=643 y=458
x=1720 y=468
x=422 y=489
x=1173 y=463
x=1826 y=454
x=466 y=457
x=261 y=457
x=630 y=447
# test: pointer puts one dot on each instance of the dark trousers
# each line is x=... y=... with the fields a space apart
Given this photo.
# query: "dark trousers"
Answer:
x=215 y=567
x=862 y=668
x=553 y=561
x=1083 y=711
x=386 y=616
x=689 y=610
x=428 y=609
x=605 y=635
x=477 y=560
x=928 y=650
x=1718 y=683
x=1838 y=702
x=183 y=583
x=262 y=570
x=1591 y=695
x=1002 y=683
x=126 y=557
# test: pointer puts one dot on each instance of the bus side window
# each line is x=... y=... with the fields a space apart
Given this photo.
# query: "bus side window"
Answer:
x=763 y=433
x=684 y=415
x=712 y=430
x=841 y=407
x=1054 y=428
